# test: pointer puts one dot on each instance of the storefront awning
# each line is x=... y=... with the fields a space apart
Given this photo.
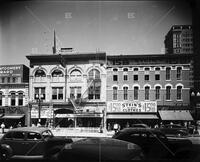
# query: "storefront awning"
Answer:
x=79 y=115
x=175 y=115
x=17 y=116
x=132 y=116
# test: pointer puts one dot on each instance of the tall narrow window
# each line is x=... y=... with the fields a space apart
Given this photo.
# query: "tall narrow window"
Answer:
x=114 y=93
x=115 y=77
x=78 y=92
x=168 y=93
x=135 y=77
x=72 y=92
x=13 y=96
x=20 y=99
x=179 y=71
x=40 y=91
x=168 y=73
x=157 y=93
x=146 y=77
x=8 y=79
x=125 y=93
x=147 y=93
x=179 y=92
x=136 y=93
x=125 y=77
x=1 y=96
x=3 y=80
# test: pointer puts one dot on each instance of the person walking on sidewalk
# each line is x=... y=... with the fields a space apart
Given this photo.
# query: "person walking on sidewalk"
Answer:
x=2 y=127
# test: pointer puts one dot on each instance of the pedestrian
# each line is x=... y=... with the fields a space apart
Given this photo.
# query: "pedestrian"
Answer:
x=2 y=127
x=19 y=124
x=38 y=124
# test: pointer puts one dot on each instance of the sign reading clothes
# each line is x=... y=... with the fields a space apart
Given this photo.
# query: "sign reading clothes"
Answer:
x=11 y=70
x=133 y=106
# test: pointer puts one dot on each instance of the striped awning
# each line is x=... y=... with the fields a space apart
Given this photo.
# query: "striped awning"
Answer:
x=132 y=116
x=17 y=116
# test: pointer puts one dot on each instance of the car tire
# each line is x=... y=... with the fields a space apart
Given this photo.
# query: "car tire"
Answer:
x=5 y=155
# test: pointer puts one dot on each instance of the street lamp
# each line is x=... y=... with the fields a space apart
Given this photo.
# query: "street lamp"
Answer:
x=195 y=95
x=39 y=97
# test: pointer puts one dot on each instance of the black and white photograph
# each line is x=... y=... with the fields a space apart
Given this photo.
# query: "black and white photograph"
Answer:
x=100 y=80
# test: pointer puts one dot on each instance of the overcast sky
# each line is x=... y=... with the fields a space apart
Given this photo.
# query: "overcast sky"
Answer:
x=116 y=27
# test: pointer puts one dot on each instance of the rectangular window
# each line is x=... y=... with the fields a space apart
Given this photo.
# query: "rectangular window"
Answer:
x=125 y=77
x=3 y=80
x=57 y=93
x=125 y=93
x=179 y=93
x=168 y=93
x=13 y=96
x=135 y=77
x=147 y=93
x=157 y=93
x=136 y=93
x=178 y=75
x=20 y=99
x=146 y=77
x=60 y=93
x=115 y=77
x=1 y=96
x=40 y=93
x=78 y=92
x=72 y=92
x=168 y=73
x=114 y=93
x=8 y=79
x=13 y=79
x=54 y=93
x=157 y=77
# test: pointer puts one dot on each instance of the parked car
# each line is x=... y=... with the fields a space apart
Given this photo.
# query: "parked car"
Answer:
x=155 y=144
x=31 y=143
x=100 y=149
x=140 y=125
x=174 y=130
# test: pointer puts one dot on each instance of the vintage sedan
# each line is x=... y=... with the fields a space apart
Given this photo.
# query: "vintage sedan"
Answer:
x=155 y=144
x=30 y=143
x=100 y=149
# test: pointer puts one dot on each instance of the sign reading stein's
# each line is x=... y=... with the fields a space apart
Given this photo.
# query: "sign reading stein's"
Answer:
x=133 y=106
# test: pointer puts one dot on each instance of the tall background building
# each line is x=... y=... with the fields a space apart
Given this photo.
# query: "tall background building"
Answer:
x=179 y=40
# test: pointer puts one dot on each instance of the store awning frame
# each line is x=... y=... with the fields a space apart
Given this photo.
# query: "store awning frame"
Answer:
x=175 y=115
x=132 y=116
x=16 y=116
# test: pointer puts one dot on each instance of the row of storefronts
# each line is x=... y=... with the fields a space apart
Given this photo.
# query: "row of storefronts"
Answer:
x=95 y=90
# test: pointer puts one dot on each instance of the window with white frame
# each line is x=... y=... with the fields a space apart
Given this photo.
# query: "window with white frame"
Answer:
x=125 y=89
x=168 y=92
x=39 y=91
x=115 y=91
x=75 y=92
x=13 y=97
x=20 y=99
x=136 y=89
x=147 y=89
x=94 y=74
x=157 y=95
x=57 y=73
x=179 y=72
x=75 y=75
x=57 y=93
x=179 y=92
x=168 y=73
x=1 y=97
x=40 y=73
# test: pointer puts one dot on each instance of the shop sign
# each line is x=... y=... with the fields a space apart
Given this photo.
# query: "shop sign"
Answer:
x=45 y=112
x=10 y=70
x=139 y=106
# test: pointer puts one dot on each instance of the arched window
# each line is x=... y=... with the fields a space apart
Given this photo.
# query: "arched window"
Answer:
x=94 y=74
x=20 y=99
x=114 y=93
x=136 y=89
x=13 y=96
x=125 y=89
x=75 y=75
x=40 y=73
x=57 y=73
x=125 y=69
x=179 y=92
x=157 y=95
x=168 y=93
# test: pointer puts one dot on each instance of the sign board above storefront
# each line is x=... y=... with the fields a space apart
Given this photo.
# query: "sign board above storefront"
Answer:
x=45 y=112
x=11 y=70
x=133 y=106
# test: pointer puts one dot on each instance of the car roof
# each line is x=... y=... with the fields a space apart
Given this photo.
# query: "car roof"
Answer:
x=30 y=129
x=140 y=130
